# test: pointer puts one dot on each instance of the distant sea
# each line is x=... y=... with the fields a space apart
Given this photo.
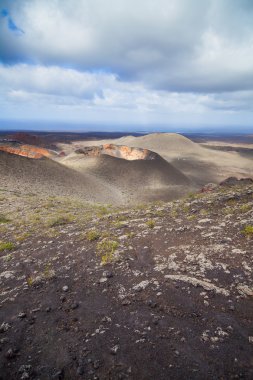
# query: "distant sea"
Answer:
x=49 y=126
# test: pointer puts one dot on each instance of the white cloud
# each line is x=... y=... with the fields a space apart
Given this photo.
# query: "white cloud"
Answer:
x=163 y=59
x=177 y=45
x=69 y=91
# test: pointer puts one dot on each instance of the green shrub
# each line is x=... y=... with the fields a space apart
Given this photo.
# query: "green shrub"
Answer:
x=191 y=217
x=6 y=246
x=60 y=221
x=118 y=224
x=150 y=223
x=245 y=208
x=92 y=235
x=102 y=210
x=30 y=281
x=22 y=237
x=106 y=250
x=248 y=231
x=3 y=219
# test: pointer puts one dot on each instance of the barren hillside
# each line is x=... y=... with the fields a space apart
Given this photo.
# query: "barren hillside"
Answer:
x=102 y=178
x=198 y=163
x=45 y=176
x=82 y=284
x=139 y=180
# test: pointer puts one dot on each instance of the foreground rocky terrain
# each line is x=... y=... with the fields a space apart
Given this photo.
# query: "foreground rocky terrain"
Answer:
x=159 y=291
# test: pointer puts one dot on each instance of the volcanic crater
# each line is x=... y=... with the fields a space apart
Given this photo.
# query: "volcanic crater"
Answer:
x=24 y=150
x=119 y=151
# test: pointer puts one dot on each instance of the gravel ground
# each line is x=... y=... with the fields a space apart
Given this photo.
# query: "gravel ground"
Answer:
x=158 y=291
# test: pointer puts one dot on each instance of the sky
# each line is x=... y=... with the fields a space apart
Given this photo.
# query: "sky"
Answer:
x=126 y=62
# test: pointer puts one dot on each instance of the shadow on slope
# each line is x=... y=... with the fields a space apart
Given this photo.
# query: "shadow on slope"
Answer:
x=139 y=180
x=47 y=177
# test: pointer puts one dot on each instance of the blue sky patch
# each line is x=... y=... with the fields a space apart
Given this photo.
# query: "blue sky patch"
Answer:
x=4 y=12
x=11 y=24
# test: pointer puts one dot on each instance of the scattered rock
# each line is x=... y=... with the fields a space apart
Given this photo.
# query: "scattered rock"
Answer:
x=107 y=274
x=25 y=371
x=232 y=181
x=208 y=187
x=96 y=364
x=4 y=340
x=152 y=304
x=4 y=327
x=114 y=349
x=80 y=370
x=58 y=375
x=7 y=275
x=10 y=354
x=126 y=302
x=74 y=305
x=245 y=290
x=197 y=282
x=22 y=315
x=141 y=286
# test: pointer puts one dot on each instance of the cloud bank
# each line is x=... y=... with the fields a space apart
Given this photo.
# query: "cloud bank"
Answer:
x=174 y=61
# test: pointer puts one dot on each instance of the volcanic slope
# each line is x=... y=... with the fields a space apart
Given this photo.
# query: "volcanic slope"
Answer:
x=200 y=164
x=138 y=180
x=101 y=179
x=45 y=176
x=165 y=144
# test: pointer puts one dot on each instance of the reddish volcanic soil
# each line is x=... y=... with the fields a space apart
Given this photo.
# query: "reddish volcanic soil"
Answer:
x=26 y=151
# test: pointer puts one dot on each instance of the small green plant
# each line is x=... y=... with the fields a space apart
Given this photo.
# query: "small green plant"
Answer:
x=231 y=202
x=141 y=207
x=106 y=250
x=158 y=203
x=3 y=219
x=6 y=246
x=185 y=209
x=118 y=224
x=130 y=235
x=92 y=235
x=48 y=271
x=203 y=212
x=150 y=223
x=174 y=213
x=248 y=231
x=105 y=235
x=245 y=208
x=121 y=218
x=102 y=210
x=159 y=213
x=191 y=195
x=191 y=217
x=60 y=221
x=228 y=210
x=22 y=237
x=29 y=281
